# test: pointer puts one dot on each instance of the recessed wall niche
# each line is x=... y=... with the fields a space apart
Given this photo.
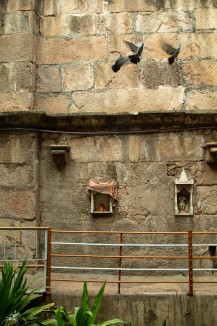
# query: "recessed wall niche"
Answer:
x=103 y=196
x=183 y=195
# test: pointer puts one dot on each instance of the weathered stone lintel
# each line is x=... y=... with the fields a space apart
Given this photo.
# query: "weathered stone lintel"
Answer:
x=107 y=123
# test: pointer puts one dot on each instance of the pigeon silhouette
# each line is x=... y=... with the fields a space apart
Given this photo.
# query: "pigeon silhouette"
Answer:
x=133 y=58
x=169 y=49
x=136 y=49
x=121 y=60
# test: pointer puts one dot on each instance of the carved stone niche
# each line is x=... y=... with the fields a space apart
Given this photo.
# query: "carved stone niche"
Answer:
x=60 y=154
x=211 y=152
x=103 y=196
x=183 y=195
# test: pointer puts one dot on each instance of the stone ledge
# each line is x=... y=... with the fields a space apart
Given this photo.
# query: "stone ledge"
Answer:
x=107 y=123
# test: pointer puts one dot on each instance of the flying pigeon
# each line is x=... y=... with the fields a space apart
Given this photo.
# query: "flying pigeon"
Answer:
x=133 y=58
x=137 y=49
x=121 y=60
x=169 y=49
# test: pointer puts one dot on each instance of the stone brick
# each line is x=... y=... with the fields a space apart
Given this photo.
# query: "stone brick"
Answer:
x=17 y=101
x=56 y=104
x=78 y=6
x=49 y=79
x=170 y=21
x=205 y=173
x=119 y=23
x=16 y=176
x=66 y=25
x=7 y=80
x=206 y=19
x=98 y=149
x=59 y=50
x=207 y=196
x=128 y=100
x=134 y=148
x=18 y=150
x=10 y=6
x=171 y=147
x=20 y=22
x=189 y=5
x=106 y=78
x=17 y=47
x=201 y=72
x=201 y=100
x=25 y=76
x=128 y=5
x=50 y=8
x=192 y=45
x=155 y=74
x=18 y=204
x=79 y=77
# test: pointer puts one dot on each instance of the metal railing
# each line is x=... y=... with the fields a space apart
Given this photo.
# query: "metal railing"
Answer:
x=30 y=243
x=127 y=254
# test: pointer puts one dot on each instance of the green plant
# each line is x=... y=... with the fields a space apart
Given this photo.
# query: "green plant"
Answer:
x=83 y=316
x=14 y=299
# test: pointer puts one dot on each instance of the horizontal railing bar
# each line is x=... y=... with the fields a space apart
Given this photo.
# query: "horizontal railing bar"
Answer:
x=120 y=244
x=118 y=256
x=118 y=268
x=117 y=232
x=114 y=281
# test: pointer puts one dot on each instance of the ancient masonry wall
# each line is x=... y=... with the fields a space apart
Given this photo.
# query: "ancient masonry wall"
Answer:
x=55 y=58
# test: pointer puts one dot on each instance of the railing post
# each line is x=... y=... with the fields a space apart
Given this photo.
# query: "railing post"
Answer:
x=48 y=263
x=190 y=262
x=120 y=263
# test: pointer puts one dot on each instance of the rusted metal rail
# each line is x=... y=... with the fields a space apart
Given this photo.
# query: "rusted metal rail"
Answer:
x=189 y=257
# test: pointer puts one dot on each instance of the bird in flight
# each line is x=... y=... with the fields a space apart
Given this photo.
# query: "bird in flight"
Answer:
x=133 y=58
x=169 y=49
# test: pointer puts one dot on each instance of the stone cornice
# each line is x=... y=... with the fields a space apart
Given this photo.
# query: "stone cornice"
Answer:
x=124 y=122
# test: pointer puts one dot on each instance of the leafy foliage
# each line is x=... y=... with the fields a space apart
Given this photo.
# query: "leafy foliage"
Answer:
x=14 y=299
x=83 y=316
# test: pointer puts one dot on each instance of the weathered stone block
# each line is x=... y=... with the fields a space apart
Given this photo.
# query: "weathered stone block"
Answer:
x=25 y=76
x=189 y=5
x=18 y=47
x=207 y=196
x=17 y=101
x=59 y=50
x=171 y=21
x=10 y=6
x=98 y=149
x=106 y=78
x=18 y=150
x=66 y=25
x=18 y=204
x=13 y=176
x=55 y=104
x=172 y=147
x=119 y=23
x=20 y=22
x=155 y=74
x=49 y=79
x=206 y=18
x=79 y=77
x=128 y=100
x=78 y=6
x=201 y=72
x=202 y=100
x=134 y=148
x=49 y=7
x=7 y=80
x=128 y=5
